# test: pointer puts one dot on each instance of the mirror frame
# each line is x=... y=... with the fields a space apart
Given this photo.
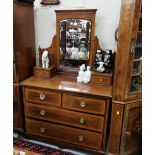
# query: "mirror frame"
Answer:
x=86 y=14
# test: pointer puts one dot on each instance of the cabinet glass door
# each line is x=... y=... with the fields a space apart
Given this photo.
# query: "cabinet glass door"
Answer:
x=136 y=79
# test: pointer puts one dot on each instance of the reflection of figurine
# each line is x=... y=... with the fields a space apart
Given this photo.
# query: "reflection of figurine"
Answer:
x=81 y=55
x=81 y=74
x=74 y=51
x=101 y=67
x=45 y=60
x=87 y=75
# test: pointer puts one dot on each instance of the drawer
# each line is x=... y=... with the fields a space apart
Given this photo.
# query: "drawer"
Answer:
x=71 y=118
x=43 y=96
x=101 y=79
x=67 y=134
x=43 y=73
x=89 y=105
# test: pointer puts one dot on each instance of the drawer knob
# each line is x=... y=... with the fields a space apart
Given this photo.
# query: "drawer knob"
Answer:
x=101 y=80
x=42 y=96
x=81 y=138
x=41 y=73
x=42 y=129
x=82 y=121
x=42 y=112
x=82 y=104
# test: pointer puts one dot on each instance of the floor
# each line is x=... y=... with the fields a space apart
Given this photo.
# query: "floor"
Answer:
x=53 y=146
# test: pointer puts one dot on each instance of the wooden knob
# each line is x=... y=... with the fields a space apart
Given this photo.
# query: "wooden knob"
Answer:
x=42 y=129
x=41 y=73
x=81 y=138
x=42 y=112
x=42 y=96
x=82 y=104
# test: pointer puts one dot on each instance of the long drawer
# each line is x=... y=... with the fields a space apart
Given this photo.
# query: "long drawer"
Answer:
x=43 y=96
x=71 y=118
x=67 y=134
x=89 y=105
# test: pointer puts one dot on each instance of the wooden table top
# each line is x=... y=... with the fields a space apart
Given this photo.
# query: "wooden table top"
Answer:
x=69 y=84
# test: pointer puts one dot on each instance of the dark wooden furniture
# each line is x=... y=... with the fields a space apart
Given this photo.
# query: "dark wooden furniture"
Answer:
x=126 y=118
x=64 y=111
x=71 y=114
x=23 y=56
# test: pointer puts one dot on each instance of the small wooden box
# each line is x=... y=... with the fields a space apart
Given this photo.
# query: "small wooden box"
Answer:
x=44 y=73
x=105 y=79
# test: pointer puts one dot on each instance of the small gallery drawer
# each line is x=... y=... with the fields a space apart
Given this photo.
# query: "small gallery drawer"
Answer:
x=71 y=118
x=67 y=134
x=107 y=80
x=43 y=96
x=89 y=105
x=43 y=73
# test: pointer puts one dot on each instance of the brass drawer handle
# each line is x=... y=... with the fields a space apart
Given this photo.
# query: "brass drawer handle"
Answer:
x=101 y=80
x=82 y=121
x=42 y=129
x=80 y=138
x=83 y=104
x=42 y=96
x=42 y=112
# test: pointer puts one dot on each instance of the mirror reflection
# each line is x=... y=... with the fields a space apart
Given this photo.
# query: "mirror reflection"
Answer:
x=74 y=42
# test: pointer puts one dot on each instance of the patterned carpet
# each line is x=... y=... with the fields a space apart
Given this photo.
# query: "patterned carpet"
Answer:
x=37 y=148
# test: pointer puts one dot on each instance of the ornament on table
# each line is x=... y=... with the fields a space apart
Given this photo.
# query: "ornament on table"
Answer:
x=81 y=74
x=101 y=68
x=87 y=75
x=45 y=60
x=84 y=76
x=108 y=60
x=98 y=58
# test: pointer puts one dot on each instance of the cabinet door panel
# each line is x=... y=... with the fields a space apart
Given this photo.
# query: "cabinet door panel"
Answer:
x=131 y=140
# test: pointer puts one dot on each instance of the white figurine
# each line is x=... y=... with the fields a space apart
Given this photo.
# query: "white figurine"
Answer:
x=45 y=60
x=81 y=74
x=87 y=75
x=84 y=66
x=101 y=67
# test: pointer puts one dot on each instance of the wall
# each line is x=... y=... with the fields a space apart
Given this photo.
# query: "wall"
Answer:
x=107 y=20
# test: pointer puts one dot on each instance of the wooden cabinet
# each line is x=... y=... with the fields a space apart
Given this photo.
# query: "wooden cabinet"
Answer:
x=126 y=116
x=23 y=55
x=72 y=117
x=128 y=75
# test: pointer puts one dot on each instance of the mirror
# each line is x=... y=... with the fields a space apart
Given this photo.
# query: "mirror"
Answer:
x=74 y=42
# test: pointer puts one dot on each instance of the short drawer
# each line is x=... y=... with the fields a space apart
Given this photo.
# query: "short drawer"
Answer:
x=89 y=105
x=71 y=118
x=43 y=96
x=107 y=80
x=67 y=134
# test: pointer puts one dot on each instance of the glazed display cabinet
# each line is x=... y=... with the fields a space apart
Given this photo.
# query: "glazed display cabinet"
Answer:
x=126 y=117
